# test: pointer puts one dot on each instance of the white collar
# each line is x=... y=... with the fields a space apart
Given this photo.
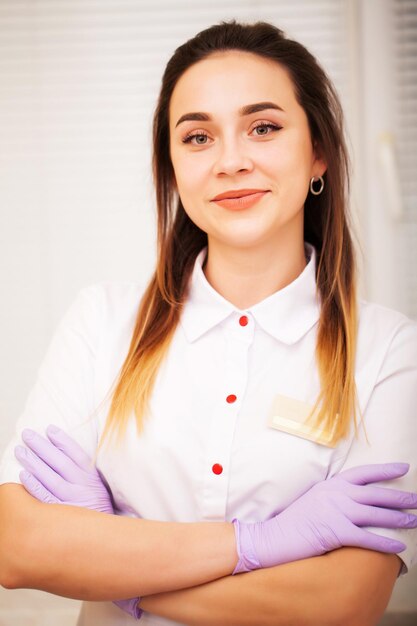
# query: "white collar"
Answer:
x=287 y=314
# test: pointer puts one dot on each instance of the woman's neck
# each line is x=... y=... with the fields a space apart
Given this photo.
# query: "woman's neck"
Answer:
x=245 y=276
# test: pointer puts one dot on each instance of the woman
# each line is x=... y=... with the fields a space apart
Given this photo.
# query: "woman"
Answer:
x=238 y=374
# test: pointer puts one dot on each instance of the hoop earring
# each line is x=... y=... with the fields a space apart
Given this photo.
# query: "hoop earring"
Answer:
x=318 y=191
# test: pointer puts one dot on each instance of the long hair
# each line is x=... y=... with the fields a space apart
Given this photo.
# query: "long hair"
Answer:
x=179 y=240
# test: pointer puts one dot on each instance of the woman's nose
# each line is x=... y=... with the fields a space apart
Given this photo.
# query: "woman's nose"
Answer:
x=232 y=158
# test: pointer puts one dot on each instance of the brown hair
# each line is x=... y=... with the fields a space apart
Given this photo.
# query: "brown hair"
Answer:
x=179 y=240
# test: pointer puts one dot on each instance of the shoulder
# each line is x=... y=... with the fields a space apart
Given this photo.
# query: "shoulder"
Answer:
x=114 y=292
x=111 y=297
x=386 y=336
x=100 y=310
x=382 y=322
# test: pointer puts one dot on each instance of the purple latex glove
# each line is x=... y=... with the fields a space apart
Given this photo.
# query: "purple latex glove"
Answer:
x=59 y=471
x=327 y=517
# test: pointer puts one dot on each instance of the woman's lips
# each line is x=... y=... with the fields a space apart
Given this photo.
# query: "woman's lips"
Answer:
x=241 y=203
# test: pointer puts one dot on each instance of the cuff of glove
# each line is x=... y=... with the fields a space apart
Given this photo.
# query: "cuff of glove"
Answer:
x=248 y=560
x=130 y=606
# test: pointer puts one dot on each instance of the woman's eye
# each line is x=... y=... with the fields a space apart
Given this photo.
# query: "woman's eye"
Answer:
x=198 y=136
x=264 y=126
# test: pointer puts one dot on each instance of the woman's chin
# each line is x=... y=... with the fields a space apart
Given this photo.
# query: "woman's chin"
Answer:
x=245 y=236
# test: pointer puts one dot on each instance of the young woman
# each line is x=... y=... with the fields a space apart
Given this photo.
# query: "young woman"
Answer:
x=241 y=406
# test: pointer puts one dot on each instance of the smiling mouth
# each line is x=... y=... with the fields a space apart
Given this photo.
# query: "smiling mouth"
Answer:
x=240 y=193
x=243 y=202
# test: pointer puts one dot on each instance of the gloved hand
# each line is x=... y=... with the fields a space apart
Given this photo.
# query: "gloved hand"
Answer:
x=329 y=516
x=62 y=472
x=59 y=471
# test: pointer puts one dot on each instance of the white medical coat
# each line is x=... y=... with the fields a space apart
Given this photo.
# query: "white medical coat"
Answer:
x=207 y=452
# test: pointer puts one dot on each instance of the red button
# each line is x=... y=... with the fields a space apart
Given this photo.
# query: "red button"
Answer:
x=243 y=321
x=231 y=398
x=217 y=468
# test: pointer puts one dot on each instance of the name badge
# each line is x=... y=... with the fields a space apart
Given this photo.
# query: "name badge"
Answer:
x=289 y=415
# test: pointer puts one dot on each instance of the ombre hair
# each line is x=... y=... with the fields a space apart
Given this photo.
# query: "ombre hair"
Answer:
x=179 y=240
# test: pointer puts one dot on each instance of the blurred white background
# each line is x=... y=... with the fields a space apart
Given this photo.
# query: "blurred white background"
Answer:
x=79 y=81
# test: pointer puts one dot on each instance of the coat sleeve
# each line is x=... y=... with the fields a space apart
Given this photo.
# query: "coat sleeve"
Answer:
x=390 y=419
x=63 y=393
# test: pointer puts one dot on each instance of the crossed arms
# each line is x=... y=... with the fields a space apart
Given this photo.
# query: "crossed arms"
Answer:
x=184 y=572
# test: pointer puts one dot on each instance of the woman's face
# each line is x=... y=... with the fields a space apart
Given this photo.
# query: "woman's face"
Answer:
x=227 y=148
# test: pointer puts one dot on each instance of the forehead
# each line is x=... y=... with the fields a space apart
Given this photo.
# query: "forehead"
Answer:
x=232 y=78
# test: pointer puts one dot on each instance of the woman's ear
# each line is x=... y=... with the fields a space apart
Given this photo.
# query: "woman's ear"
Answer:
x=319 y=162
x=320 y=167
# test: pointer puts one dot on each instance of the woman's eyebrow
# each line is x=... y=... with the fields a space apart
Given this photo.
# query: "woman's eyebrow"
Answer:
x=245 y=110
